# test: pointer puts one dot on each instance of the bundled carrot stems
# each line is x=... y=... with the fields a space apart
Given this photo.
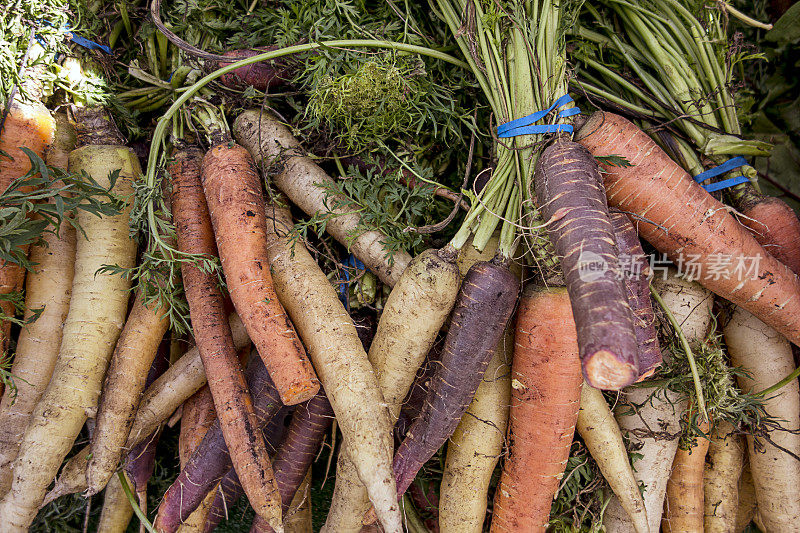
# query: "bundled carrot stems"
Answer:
x=456 y=266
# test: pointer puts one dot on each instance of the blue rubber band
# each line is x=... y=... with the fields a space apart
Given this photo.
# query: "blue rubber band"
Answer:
x=351 y=261
x=526 y=126
x=91 y=45
x=77 y=39
x=724 y=184
x=727 y=166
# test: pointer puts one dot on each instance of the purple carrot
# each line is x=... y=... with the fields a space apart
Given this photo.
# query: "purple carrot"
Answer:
x=483 y=307
x=262 y=75
x=572 y=199
x=365 y=324
x=295 y=454
x=309 y=424
x=210 y=461
x=636 y=272
x=230 y=490
x=227 y=494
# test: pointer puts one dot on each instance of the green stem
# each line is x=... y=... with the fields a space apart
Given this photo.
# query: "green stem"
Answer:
x=698 y=389
x=744 y=18
x=782 y=383
x=413 y=522
x=132 y=499
x=164 y=122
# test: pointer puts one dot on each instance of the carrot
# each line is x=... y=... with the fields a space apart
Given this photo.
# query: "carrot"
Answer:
x=684 y=505
x=125 y=381
x=635 y=271
x=228 y=492
x=300 y=445
x=765 y=355
x=412 y=404
x=570 y=194
x=651 y=418
x=236 y=203
x=477 y=443
x=482 y=309
x=95 y=318
x=748 y=507
x=298 y=514
x=211 y=459
x=603 y=439
x=28 y=124
x=267 y=324
x=720 y=480
x=303 y=181
x=412 y=316
x=48 y=286
x=229 y=489
x=139 y=465
x=117 y=511
x=263 y=75
x=343 y=367
x=774 y=225
x=679 y=218
x=197 y=520
x=140 y=460
x=546 y=384
x=160 y=400
x=198 y=415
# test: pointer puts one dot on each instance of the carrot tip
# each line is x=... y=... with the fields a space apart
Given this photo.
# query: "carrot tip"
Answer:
x=603 y=370
x=300 y=392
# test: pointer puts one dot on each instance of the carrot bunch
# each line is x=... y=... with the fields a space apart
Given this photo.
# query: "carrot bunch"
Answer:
x=487 y=351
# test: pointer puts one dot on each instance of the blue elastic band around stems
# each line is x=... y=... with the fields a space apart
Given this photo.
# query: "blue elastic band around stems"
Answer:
x=724 y=184
x=351 y=261
x=727 y=166
x=77 y=39
x=91 y=45
x=526 y=126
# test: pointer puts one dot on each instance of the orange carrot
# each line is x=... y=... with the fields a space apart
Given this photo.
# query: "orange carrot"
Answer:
x=684 y=507
x=197 y=416
x=237 y=205
x=546 y=384
x=30 y=125
x=677 y=216
x=214 y=339
x=776 y=227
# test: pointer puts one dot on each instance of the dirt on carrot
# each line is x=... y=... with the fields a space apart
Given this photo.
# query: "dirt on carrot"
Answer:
x=545 y=392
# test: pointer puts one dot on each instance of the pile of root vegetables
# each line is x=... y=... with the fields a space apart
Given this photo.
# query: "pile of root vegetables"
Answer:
x=431 y=268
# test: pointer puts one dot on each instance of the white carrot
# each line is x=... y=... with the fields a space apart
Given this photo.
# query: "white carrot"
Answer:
x=96 y=315
x=603 y=439
x=302 y=180
x=48 y=286
x=341 y=363
x=653 y=428
x=767 y=356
